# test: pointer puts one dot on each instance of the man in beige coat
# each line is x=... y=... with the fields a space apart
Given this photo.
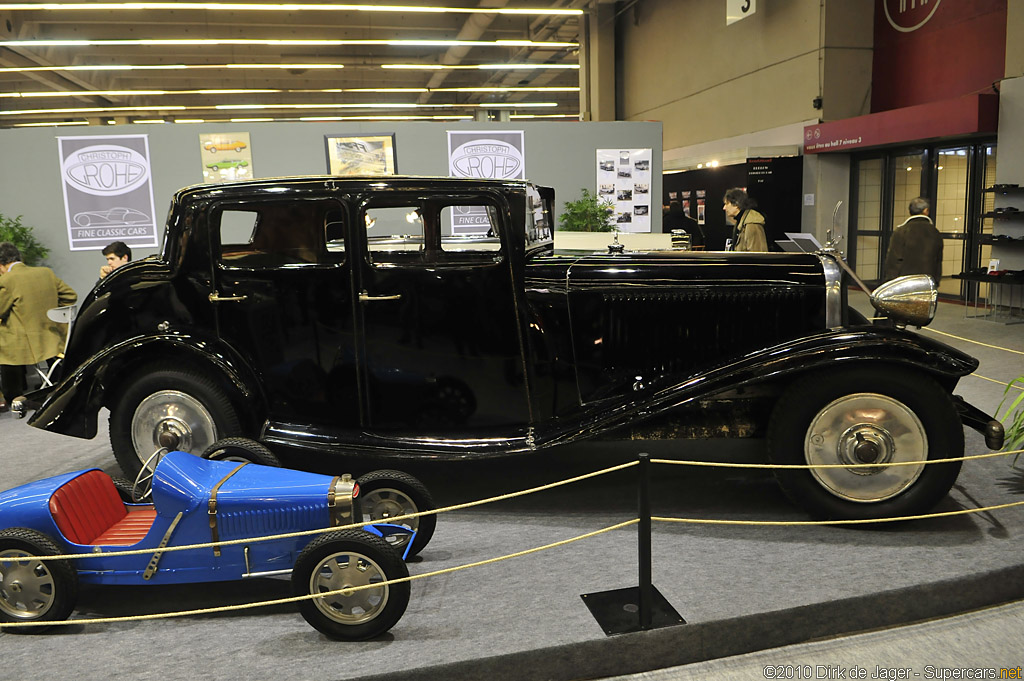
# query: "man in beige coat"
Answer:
x=27 y=336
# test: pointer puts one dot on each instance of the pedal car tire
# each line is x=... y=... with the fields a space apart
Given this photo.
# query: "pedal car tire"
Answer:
x=350 y=558
x=241 y=449
x=34 y=591
x=124 y=489
x=387 y=493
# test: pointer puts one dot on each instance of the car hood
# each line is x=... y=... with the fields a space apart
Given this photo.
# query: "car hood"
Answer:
x=251 y=501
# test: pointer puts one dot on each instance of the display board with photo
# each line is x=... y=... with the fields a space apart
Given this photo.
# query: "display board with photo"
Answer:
x=624 y=178
x=226 y=156
x=362 y=155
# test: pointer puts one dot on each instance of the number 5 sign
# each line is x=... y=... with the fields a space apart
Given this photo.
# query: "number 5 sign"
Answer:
x=738 y=9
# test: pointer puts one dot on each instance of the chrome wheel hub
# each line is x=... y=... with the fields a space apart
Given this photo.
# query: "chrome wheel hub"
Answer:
x=382 y=504
x=27 y=589
x=866 y=428
x=173 y=420
x=341 y=571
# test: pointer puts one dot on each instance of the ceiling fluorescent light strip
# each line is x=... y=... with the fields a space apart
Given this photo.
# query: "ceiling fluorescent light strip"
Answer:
x=280 y=7
x=296 y=42
x=253 y=107
x=160 y=93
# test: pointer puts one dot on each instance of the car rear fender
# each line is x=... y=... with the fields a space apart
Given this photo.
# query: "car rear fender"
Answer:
x=70 y=408
x=29 y=506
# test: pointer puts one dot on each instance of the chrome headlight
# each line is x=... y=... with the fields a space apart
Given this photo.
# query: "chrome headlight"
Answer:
x=907 y=300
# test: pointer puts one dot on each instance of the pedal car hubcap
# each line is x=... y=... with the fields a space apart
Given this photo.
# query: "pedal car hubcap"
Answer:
x=172 y=416
x=380 y=505
x=866 y=428
x=343 y=571
x=26 y=585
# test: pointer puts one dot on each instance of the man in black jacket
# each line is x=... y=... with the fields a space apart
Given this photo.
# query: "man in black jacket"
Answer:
x=916 y=246
x=675 y=218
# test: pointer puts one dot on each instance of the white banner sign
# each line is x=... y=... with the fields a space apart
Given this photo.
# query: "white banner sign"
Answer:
x=624 y=178
x=499 y=154
x=108 y=191
x=738 y=9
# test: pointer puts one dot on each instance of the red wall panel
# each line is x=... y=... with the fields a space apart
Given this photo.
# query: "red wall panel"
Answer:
x=947 y=48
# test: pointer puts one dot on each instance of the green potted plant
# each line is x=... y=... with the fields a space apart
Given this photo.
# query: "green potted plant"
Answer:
x=21 y=235
x=1013 y=417
x=590 y=213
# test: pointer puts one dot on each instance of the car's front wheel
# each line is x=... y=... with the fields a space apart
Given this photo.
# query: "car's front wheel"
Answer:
x=342 y=560
x=33 y=590
x=172 y=408
x=387 y=494
x=866 y=415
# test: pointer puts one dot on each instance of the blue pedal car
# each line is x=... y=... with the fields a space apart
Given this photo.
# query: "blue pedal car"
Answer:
x=196 y=501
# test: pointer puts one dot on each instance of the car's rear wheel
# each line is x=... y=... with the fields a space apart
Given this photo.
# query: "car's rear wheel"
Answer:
x=386 y=494
x=33 y=590
x=345 y=559
x=861 y=415
x=173 y=408
x=241 y=449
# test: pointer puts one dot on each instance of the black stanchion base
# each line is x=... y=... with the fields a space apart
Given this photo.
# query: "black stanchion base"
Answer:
x=618 y=611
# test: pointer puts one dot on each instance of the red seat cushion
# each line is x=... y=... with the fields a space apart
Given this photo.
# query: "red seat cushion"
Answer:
x=88 y=509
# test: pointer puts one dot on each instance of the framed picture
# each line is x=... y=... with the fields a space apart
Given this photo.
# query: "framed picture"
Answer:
x=361 y=155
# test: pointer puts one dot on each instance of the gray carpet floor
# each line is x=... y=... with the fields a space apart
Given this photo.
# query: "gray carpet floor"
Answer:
x=740 y=589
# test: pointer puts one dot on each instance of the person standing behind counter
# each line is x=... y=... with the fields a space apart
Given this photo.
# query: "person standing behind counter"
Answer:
x=27 y=336
x=748 y=234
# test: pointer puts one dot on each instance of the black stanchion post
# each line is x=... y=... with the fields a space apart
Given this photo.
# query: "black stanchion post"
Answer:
x=644 y=539
x=641 y=607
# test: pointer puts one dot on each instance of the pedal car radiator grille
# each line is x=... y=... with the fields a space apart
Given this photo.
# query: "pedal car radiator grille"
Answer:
x=266 y=521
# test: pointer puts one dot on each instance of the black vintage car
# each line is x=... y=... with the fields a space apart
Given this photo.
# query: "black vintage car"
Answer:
x=431 y=317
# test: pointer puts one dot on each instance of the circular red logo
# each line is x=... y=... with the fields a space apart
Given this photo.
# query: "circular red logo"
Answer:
x=909 y=15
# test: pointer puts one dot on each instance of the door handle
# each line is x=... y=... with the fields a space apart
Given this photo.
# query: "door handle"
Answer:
x=364 y=297
x=217 y=298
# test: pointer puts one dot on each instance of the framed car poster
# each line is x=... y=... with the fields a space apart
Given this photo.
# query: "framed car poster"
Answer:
x=492 y=153
x=226 y=156
x=624 y=178
x=361 y=155
x=108 y=191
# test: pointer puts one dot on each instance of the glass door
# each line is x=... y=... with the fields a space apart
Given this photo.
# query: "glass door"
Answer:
x=949 y=211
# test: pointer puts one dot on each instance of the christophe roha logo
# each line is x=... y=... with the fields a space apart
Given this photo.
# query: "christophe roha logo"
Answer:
x=909 y=15
x=487 y=158
x=105 y=169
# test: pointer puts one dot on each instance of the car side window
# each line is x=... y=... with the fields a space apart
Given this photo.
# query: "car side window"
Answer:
x=470 y=229
x=394 y=233
x=334 y=231
x=271 y=234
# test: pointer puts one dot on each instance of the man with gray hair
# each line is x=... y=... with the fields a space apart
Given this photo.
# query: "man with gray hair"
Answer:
x=27 y=336
x=916 y=246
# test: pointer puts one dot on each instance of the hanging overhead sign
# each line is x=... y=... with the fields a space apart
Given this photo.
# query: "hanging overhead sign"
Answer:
x=738 y=9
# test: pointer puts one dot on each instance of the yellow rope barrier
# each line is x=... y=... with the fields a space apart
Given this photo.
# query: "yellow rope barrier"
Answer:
x=968 y=340
x=308 y=597
x=816 y=466
x=866 y=521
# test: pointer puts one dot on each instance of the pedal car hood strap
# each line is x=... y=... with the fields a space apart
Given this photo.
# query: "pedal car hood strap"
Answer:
x=212 y=509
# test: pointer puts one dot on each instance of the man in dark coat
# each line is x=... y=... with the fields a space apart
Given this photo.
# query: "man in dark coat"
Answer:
x=675 y=218
x=916 y=246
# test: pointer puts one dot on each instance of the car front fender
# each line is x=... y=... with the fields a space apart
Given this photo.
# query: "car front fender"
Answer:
x=70 y=408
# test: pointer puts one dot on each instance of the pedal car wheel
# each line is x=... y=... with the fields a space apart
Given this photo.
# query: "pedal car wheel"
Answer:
x=180 y=409
x=350 y=558
x=124 y=489
x=241 y=449
x=34 y=590
x=872 y=415
x=386 y=494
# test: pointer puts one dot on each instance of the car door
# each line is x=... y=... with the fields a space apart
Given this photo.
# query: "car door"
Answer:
x=282 y=298
x=441 y=349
